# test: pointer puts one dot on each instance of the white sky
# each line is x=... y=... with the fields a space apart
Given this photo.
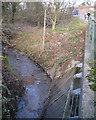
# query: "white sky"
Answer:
x=78 y=2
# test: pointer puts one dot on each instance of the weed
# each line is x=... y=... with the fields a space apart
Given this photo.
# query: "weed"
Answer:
x=37 y=34
x=62 y=45
x=65 y=58
x=46 y=62
x=36 y=40
x=77 y=25
x=5 y=61
x=62 y=29
x=26 y=33
x=60 y=33
x=69 y=49
x=51 y=31
x=24 y=36
x=73 y=39
x=62 y=60
x=7 y=64
x=92 y=78
x=7 y=102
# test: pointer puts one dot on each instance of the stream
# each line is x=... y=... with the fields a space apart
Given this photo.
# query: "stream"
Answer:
x=36 y=83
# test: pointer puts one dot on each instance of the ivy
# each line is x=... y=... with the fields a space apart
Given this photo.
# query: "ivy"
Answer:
x=92 y=78
x=7 y=99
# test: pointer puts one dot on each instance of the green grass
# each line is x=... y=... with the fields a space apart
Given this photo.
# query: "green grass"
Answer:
x=7 y=64
x=47 y=54
x=65 y=58
x=61 y=60
x=69 y=49
x=60 y=33
x=62 y=29
x=51 y=31
x=34 y=42
x=38 y=34
x=24 y=36
x=73 y=39
x=72 y=28
x=76 y=26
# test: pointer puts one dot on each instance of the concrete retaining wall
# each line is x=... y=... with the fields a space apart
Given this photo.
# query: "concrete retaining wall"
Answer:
x=87 y=95
x=58 y=100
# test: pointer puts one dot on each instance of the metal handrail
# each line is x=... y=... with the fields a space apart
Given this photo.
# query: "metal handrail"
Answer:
x=91 y=36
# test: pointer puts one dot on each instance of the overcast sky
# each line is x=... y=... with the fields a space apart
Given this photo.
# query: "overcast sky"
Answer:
x=78 y=2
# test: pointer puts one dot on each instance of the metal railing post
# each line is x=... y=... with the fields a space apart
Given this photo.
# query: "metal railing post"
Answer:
x=89 y=27
x=92 y=44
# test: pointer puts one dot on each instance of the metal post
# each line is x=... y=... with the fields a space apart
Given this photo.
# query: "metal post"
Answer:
x=68 y=96
x=92 y=44
x=89 y=23
x=72 y=104
x=76 y=104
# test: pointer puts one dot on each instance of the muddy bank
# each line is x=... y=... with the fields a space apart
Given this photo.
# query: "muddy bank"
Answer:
x=36 y=83
x=12 y=89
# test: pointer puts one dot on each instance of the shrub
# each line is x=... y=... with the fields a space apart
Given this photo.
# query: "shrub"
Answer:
x=92 y=78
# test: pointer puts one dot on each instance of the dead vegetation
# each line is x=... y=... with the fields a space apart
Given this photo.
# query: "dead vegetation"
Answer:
x=61 y=45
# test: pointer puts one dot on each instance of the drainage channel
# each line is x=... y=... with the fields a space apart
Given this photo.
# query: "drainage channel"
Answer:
x=74 y=103
x=71 y=109
x=36 y=82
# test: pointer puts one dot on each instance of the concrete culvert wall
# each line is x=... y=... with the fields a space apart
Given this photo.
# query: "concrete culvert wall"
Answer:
x=57 y=103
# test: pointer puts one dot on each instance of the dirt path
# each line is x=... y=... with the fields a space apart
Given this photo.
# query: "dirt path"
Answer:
x=36 y=83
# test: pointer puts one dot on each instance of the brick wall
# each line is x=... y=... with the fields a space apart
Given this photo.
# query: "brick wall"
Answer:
x=85 y=7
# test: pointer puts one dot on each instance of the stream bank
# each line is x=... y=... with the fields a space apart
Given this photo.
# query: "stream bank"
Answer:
x=12 y=89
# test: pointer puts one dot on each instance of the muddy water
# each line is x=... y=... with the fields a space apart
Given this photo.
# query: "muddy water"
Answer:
x=36 y=83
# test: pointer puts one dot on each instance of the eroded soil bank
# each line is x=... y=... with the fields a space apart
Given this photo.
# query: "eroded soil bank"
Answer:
x=12 y=89
x=62 y=46
x=36 y=83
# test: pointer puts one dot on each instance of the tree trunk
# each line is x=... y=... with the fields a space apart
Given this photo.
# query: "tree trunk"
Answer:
x=38 y=23
x=54 y=23
x=13 y=18
x=14 y=5
x=44 y=29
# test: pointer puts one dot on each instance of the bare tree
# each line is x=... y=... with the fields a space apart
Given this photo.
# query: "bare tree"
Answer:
x=44 y=29
x=54 y=18
x=35 y=11
x=52 y=12
x=55 y=8
x=9 y=10
x=14 y=5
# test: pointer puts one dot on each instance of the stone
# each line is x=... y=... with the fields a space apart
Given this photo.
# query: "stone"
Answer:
x=73 y=63
x=79 y=75
x=79 y=65
x=77 y=91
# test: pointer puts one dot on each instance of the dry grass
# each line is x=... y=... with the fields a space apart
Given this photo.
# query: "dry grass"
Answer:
x=61 y=45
